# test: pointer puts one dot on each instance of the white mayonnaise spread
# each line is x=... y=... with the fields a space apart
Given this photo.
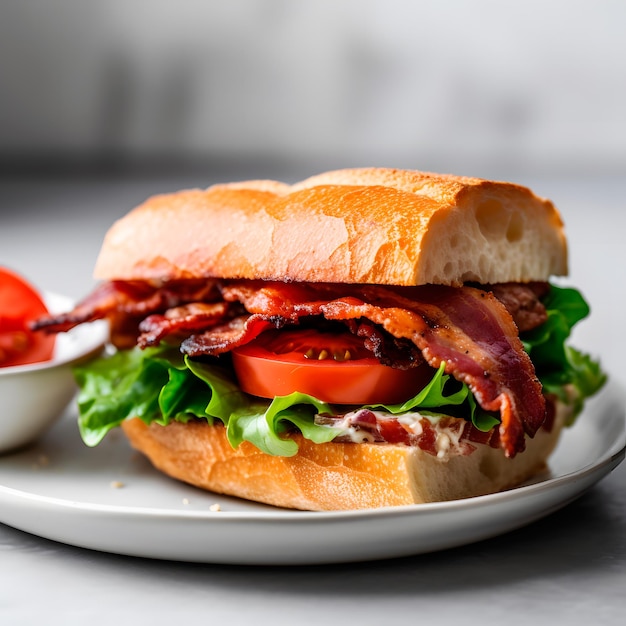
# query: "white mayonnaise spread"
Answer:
x=447 y=438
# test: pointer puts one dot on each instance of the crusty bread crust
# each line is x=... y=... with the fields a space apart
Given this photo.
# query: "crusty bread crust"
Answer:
x=376 y=225
x=333 y=476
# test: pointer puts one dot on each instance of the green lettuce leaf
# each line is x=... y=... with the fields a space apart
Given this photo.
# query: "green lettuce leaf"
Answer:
x=570 y=374
x=126 y=384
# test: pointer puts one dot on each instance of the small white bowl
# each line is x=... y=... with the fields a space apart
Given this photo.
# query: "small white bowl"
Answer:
x=33 y=396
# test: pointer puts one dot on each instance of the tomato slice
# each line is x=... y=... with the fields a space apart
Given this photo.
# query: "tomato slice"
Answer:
x=20 y=303
x=333 y=367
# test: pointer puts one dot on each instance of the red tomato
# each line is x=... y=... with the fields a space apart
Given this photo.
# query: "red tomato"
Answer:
x=333 y=367
x=19 y=304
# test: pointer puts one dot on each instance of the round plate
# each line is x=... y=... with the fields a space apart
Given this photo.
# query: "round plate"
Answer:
x=109 y=498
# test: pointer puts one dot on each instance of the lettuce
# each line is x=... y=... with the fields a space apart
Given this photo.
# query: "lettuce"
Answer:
x=570 y=374
x=115 y=388
x=161 y=385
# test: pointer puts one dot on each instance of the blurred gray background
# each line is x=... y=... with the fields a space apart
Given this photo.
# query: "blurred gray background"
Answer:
x=483 y=87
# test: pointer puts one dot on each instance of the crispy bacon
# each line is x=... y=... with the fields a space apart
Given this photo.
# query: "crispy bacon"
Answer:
x=220 y=339
x=399 y=353
x=468 y=328
x=193 y=317
x=132 y=298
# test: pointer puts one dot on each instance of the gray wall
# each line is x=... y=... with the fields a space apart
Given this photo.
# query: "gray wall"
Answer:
x=470 y=86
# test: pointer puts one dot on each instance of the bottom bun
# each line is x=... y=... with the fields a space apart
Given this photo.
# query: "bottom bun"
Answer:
x=333 y=476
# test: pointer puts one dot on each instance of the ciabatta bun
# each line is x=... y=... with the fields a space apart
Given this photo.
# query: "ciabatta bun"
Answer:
x=333 y=476
x=378 y=226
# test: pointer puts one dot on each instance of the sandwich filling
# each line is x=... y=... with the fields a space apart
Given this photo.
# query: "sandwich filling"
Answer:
x=494 y=355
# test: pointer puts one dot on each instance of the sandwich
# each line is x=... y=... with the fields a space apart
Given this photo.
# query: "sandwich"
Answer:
x=363 y=338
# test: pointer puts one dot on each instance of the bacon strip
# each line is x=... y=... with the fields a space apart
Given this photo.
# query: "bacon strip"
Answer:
x=128 y=298
x=193 y=317
x=220 y=339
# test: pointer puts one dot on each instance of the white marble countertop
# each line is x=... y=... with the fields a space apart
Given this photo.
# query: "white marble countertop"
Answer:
x=570 y=566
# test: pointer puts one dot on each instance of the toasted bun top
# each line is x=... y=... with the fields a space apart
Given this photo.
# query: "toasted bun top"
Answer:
x=381 y=226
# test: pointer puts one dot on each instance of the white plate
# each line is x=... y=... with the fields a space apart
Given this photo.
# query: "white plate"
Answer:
x=110 y=499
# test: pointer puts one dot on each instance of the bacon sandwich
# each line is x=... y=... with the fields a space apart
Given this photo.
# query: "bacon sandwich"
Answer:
x=364 y=338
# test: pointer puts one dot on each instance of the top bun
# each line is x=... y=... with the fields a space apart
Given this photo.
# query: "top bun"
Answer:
x=381 y=226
